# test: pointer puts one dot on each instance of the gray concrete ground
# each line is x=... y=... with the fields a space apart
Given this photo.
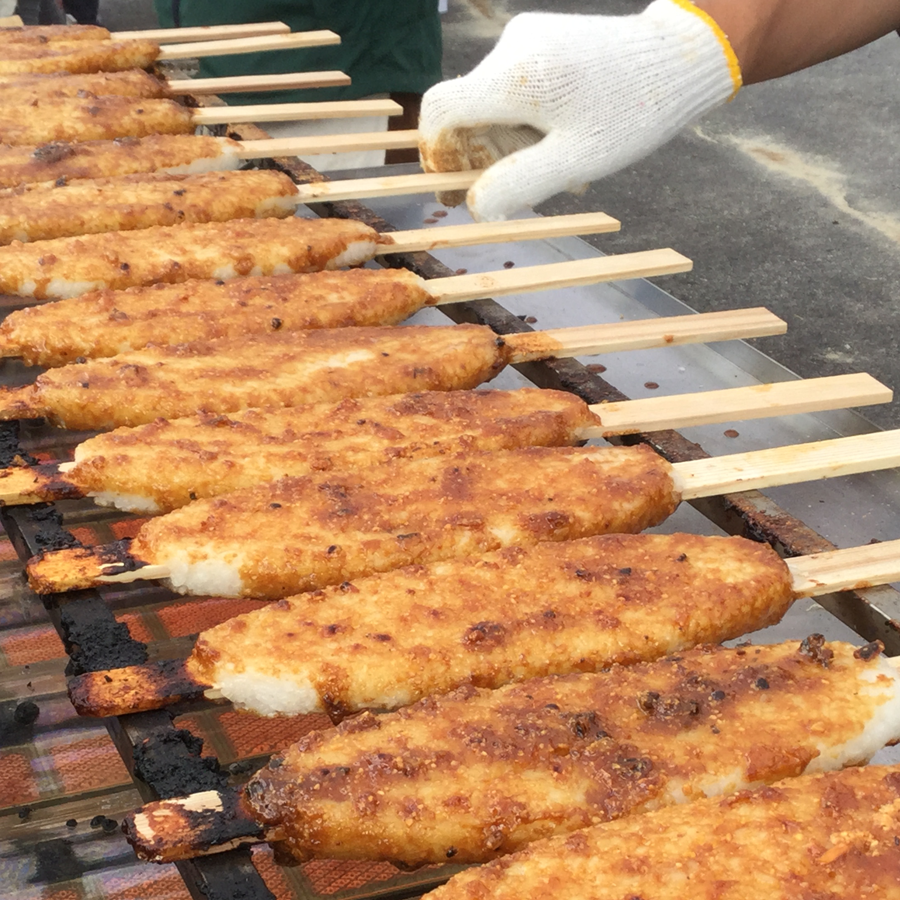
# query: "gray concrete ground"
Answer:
x=789 y=197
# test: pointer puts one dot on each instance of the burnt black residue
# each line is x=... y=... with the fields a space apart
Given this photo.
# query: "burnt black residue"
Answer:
x=27 y=712
x=119 y=553
x=170 y=762
x=11 y=454
x=45 y=530
x=109 y=826
x=237 y=882
x=95 y=641
x=869 y=651
x=814 y=647
x=55 y=861
x=654 y=704
x=59 y=859
x=55 y=151
x=17 y=722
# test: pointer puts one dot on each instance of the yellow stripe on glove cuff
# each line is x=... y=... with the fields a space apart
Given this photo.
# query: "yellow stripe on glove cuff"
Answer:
x=734 y=67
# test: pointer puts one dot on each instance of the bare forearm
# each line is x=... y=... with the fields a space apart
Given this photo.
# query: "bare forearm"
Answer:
x=775 y=37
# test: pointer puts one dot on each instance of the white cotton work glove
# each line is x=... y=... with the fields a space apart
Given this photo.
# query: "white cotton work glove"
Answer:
x=563 y=100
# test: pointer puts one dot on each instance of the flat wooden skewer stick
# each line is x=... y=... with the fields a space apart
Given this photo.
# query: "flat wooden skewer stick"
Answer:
x=317 y=145
x=202 y=32
x=846 y=570
x=157 y=684
x=386 y=186
x=538 y=228
x=296 y=112
x=231 y=84
x=11 y=22
x=22 y=485
x=66 y=570
x=759 y=469
x=737 y=404
x=258 y=44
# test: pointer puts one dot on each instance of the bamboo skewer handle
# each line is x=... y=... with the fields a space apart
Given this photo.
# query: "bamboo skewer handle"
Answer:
x=202 y=33
x=643 y=264
x=80 y=567
x=230 y=84
x=11 y=22
x=199 y=824
x=249 y=45
x=499 y=232
x=387 y=186
x=737 y=404
x=22 y=485
x=587 y=340
x=845 y=570
x=295 y=112
x=760 y=469
x=315 y=145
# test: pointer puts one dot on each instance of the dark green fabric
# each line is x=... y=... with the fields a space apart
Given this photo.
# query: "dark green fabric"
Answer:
x=386 y=45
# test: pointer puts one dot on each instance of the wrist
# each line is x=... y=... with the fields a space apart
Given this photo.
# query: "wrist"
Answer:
x=710 y=43
x=732 y=57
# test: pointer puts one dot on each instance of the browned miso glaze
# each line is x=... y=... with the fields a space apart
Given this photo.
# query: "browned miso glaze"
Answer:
x=77 y=57
x=91 y=119
x=811 y=838
x=131 y=83
x=174 y=461
x=128 y=203
x=44 y=34
x=518 y=613
x=278 y=369
x=325 y=529
x=476 y=774
x=67 y=267
x=107 y=322
x=105 y=159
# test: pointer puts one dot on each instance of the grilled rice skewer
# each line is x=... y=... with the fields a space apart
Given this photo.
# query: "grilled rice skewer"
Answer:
x=79 y=57
x=190 y=154
x=168 y=463
x=173 y=153
x=477 y=774
x=92 y=118
x=68 y=267
x=105 y=323
x=287 y=369
x=136 y=83
x=834 y=834
x=301 y=534
x=140 y=83
x=43 y=34
x=133 y=202
x=526 y=612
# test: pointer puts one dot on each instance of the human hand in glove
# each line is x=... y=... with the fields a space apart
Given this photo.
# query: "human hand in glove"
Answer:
x=563 y=100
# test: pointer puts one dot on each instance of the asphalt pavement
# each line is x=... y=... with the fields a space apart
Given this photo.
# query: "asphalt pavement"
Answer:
x=788 y=197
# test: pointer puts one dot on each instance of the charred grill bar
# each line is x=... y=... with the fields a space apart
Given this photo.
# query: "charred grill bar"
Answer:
x=168 y=761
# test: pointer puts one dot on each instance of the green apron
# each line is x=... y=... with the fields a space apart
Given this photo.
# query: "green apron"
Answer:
x=387 y=46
